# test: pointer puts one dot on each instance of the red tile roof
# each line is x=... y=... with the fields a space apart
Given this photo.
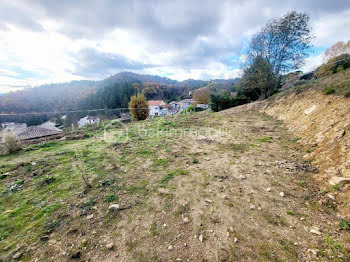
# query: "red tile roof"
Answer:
x=155 y=102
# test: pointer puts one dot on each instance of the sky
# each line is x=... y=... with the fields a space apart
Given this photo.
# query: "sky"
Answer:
x=45 y=41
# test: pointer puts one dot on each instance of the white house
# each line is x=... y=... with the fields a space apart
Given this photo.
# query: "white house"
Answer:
x=186 y=103
x=158 y=108
x=174 y=107
x=203 y=106
x=7 y=124
x=88 y=120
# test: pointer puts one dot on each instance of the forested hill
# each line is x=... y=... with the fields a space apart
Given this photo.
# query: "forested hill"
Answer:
x=87 y=94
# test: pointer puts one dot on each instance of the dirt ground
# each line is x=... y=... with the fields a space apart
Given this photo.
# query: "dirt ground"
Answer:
x=228 y=186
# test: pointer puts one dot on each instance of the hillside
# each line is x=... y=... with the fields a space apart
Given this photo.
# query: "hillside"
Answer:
x=322 y=122
x=227 y=186
x=70 y=96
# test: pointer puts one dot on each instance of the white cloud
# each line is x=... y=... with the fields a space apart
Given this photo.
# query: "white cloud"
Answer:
x=42 y=41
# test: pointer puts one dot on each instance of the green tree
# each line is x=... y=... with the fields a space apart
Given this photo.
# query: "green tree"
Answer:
x=138 y=107
x=258 y=81
x=284 y=43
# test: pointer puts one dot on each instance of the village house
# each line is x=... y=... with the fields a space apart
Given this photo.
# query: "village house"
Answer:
x=185 y=103
x=36 y=134
x=203 y=106
x=158 y=108
x=88 y=120
x=13 y=127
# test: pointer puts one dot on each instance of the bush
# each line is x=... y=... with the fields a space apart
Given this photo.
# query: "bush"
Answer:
x=138 y=107
x=347 y=94
x=307 y=76
x=224 y=101
x=190 y=109
x=329 y=90
x=334 y=65
x=11 y=143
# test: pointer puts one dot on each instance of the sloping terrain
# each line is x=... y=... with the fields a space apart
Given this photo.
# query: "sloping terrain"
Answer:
x=322 y=122
x=228 y=186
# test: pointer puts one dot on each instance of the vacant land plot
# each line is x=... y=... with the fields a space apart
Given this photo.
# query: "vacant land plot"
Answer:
x=226 y=186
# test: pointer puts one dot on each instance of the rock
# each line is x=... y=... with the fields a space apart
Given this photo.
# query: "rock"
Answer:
x=252 y=207
x=315 y=230
x=186 y=220
x=268 y=189
x=208 y=201
x=90 y=216
x=44 y=238
x=84 y=241
x=110 y=246
x=114 y=207
x=178 y=259
x=281 y=194
x=337 y=180
x=200 y=238
x=170 y=247
x=242 y=177
x=231 y=229
x=17 y=255
x=331 y=197
x=235 y=240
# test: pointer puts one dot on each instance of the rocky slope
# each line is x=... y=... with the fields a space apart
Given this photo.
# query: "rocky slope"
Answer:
x=322 y=125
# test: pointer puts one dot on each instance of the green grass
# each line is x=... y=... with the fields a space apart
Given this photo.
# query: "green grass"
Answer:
x=329 y=90
x=110 y=197
x=344 y=224
x=265 y=139
x=166 y=178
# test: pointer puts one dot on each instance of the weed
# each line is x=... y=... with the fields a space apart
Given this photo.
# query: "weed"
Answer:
x=107 y=182
x=16 y=186
x=50 y=224
x=110 y=198
x=182 y=172
x=46 y=181
x=329 y=90
x=195 y=161
x=344 y=224
x=290 y=212
x=166 y=178
x=154 y=229
x=88 y=205
x=265 y=139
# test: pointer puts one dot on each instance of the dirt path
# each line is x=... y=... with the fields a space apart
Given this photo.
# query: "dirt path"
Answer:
x=244 y=196
x=228 y=186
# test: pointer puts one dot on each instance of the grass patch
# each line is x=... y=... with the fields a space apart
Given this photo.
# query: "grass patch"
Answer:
x=344 y=224
x=166 y=178
x=110 y=198
x=265 y=139
x=329 y=90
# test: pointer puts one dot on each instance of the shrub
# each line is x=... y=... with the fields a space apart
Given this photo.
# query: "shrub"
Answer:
x=221 y=101
x=347 y=94
x=329 y=90
x=11 y=143
x=138 y=107
x=190 y=109
x=334 y=65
